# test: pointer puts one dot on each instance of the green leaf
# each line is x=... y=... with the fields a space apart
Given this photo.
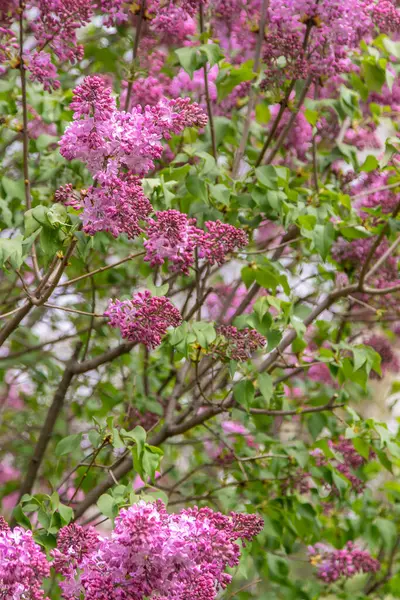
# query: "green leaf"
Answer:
x=370 y=164
x=311 y=116
x=243 y=392
x=151 y=460
x=197 y=187
x=190 y=59
x=14 y=188
x=107 y=506
x=323 y=237
x=57 y=215
x=374 y=75
x=66 y=513
x=278 y=567
x=11 y=251
x=388 y=531
x=68 y=444
x=205 y=333
x=265 y=384
x=267 y=176
x=213 y=53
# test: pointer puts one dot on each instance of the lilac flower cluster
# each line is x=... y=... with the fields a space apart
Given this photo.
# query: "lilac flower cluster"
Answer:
x=333 y=564
x=352 y=255
x=172 y=237
x=351 y=460
x=313 y=38
x=23 y=565
x=220 y=240
x=152 y=554
x=238 y=344
x=144 y=319
x=117 y=146
x=175 y=237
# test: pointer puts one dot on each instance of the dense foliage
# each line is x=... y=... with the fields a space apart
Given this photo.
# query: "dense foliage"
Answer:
x=200 y=233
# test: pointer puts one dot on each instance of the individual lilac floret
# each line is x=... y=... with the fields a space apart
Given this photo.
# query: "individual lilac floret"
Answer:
x=220 y=240
x=144 y=319
x=172 y=237
x=333 y=564
x=239 y=344
x=23 y=565
x=117 y=207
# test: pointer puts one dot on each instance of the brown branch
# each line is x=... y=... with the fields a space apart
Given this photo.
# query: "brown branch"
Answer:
x=135 y=50
x=375 y=246
x=252 y=96
x=207 y=90
x=48 y=426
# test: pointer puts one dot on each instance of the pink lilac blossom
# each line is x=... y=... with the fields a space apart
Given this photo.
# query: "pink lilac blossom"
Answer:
x=220 y=240
x=238 y=344
x=37 y=126
x=117 y=207
x=299 y=139
x=216 y=301
x=108 y=140
x=387 y=200
x=171 y=237
x=42 y=70
x=156 y=555
x=183 y=83
x=113 y=11
x=66 y=195
x=173 y=23
x=333 y=564
x=326 y=31
x=351 y=460
x=56 y=24
x=23 y=565
x=144 y=319
x=385 y=16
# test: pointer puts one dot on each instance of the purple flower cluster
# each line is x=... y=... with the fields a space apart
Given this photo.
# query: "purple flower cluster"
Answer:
x=238 y=344
x=171 y=237
x=117 y=206
x=152 y=554
x=351 y=460
x=144 y=319
x=333 y=564
x=23 y=565
x=117 y=146
x=313 y=38
x=219 y=240
x=175 y=237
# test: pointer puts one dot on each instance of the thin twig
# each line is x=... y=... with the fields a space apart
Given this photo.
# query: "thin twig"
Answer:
x=207 y=90
x=135 y=50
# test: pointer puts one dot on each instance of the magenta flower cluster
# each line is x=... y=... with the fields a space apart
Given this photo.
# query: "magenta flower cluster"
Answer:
x=23 y=565
x=175 y=237
x=333 y=564
x=153 y=554
x=238 y=344
x=144 y=319
x=350 y=461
